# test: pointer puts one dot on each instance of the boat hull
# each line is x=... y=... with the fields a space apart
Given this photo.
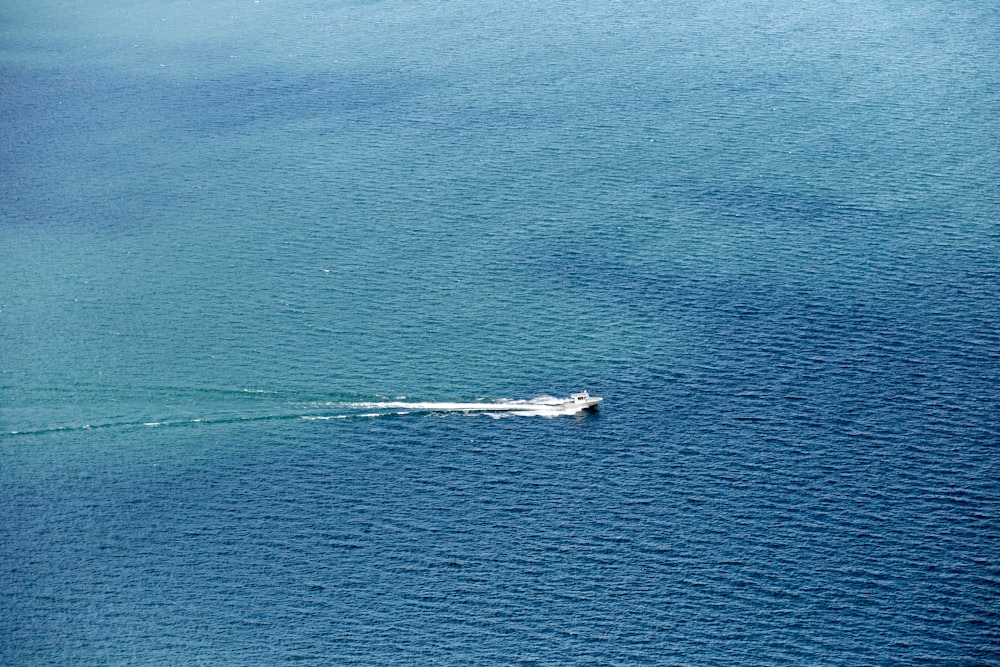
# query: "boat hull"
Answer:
x=582 y=401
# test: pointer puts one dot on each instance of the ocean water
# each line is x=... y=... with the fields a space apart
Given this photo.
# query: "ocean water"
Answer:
x=251 y=251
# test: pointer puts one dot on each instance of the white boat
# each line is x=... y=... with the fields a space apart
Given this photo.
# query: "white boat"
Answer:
x=582 y=401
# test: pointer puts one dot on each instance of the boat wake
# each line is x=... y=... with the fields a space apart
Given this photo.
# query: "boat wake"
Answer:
x=542 y=406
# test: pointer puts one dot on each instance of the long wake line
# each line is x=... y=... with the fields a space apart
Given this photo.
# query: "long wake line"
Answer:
x=544 y=406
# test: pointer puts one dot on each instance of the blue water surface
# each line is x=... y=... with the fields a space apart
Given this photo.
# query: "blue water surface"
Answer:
x=765 y=232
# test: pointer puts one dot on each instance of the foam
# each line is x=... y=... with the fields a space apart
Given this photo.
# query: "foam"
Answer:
x=541 y=406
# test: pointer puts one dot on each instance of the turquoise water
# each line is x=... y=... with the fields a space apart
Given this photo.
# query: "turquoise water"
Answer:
x=765 y=232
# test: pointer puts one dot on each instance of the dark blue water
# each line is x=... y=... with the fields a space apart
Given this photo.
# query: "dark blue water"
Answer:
x=765 y=232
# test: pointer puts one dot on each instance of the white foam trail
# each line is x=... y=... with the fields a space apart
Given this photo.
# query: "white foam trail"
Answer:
x=542 y=406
